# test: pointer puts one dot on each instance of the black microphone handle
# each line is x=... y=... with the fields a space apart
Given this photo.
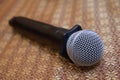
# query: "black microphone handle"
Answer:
x=60 y=34
x=38 y=27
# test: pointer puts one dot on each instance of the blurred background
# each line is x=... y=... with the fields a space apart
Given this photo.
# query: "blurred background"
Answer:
x=24 y=59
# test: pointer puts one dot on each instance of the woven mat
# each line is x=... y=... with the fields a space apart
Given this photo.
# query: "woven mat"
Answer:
x=22 y=58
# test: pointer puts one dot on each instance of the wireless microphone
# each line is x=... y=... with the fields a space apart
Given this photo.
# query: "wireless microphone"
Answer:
x=82 y=47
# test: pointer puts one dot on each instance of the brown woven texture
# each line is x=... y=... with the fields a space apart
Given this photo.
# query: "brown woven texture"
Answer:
x=23 y=58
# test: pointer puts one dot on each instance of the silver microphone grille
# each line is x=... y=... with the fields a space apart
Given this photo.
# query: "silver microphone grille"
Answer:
x=85 y=48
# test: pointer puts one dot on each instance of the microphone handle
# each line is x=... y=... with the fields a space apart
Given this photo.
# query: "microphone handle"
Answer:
x=38 y=27
x=60 y=34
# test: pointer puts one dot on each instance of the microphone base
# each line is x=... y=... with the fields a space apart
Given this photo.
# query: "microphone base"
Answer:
x=63 y=51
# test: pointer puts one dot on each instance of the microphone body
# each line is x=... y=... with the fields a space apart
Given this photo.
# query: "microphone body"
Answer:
x=82 y=47
x=48 y=30
x=38 y=27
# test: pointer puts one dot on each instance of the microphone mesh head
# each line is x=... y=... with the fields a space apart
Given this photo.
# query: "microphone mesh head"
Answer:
x=85 y=48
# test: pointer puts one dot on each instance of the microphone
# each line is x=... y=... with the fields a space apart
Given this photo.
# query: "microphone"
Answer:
x=82 y=47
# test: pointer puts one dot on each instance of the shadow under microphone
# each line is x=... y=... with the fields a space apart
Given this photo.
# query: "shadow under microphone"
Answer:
x=82 y=47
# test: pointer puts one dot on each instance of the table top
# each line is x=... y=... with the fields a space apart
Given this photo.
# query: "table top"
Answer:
x=24 y=58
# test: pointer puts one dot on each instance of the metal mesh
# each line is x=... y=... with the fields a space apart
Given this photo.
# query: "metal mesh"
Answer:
x=85 y=48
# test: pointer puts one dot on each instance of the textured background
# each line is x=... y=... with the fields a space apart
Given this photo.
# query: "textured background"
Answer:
x=24 y=59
